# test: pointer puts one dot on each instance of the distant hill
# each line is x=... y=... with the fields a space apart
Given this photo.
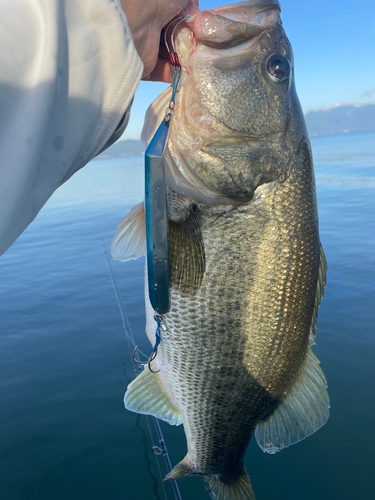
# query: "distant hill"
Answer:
x=339 y=119
x=128 y=147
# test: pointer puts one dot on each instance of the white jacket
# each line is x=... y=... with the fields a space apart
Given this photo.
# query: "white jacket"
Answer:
x=69 y=71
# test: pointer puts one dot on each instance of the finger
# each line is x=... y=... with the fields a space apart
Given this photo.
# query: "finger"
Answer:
x=161 y=73
x=191 y=9
x=163 y=53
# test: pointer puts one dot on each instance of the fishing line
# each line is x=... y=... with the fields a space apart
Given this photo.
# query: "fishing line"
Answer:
x=160 y=449
x=176 y=81
x=155 y=450
x=124 y=319
x=167 y=461
x=146 y=458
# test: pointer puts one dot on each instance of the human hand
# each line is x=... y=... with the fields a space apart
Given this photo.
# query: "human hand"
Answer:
x=146 y=21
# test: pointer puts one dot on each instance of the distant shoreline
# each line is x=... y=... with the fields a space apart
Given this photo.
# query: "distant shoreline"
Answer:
x=350 y=132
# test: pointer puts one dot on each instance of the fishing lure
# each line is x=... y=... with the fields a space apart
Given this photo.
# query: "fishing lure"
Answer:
x=156 y=208
x=156 y=197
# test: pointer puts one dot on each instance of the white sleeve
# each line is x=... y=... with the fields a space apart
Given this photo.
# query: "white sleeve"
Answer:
x=69 y=71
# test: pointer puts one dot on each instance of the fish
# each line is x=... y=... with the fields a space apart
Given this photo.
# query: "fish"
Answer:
x=246 y=267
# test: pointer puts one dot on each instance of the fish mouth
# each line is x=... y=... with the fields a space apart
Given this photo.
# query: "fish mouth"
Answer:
x=217 y=138
x=222 y=39
x=227 y=26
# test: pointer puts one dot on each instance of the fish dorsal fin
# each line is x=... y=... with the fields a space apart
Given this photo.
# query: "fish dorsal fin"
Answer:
x=322 y=280
x=154 y=115
x=304 y=411
x=186 y=254
x=145 y=395
x=129 y=241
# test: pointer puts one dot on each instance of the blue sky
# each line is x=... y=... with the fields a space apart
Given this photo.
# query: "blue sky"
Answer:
x=333 y=43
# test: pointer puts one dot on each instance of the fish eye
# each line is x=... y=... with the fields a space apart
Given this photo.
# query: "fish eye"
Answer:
x=278 y=68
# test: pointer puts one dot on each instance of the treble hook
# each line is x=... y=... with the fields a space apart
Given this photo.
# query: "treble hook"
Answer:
x=148 y=362
x=136 y=360
x=155 y=349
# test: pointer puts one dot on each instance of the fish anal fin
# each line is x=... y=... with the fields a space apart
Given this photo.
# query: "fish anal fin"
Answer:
x=129 y=241
x=303 y=411
x=145 y=395
x=182 y=469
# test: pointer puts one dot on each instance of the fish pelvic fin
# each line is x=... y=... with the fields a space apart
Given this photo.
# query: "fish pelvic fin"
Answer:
x=129 y=241
x=145 y=395
x=241 y=490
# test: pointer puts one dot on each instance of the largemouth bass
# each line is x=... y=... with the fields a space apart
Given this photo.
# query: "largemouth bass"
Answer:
x=247 y=271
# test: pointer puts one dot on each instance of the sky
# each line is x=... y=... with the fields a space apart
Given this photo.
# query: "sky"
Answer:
x=333 y=43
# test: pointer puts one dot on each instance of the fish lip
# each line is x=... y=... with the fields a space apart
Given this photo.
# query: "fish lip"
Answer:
x=226 y=15
x=192 y=13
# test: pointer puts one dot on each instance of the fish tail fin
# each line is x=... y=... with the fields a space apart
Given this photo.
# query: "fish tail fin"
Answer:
x=241 y=490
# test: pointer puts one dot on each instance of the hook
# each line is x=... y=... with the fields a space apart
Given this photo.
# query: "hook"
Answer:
x=136 y=360
x=176 y=60
x=171 y=60
x=149 y=366
x=173 y=57
x=148 y=362
x=155 y=349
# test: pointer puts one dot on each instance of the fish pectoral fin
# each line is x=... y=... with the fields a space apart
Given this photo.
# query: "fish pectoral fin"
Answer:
x=145 y=395
x=322 y=280
x=304 y=411
x=129 y=241
x=186 y=255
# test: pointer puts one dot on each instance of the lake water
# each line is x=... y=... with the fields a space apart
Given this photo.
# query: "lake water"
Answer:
x=65 y=359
